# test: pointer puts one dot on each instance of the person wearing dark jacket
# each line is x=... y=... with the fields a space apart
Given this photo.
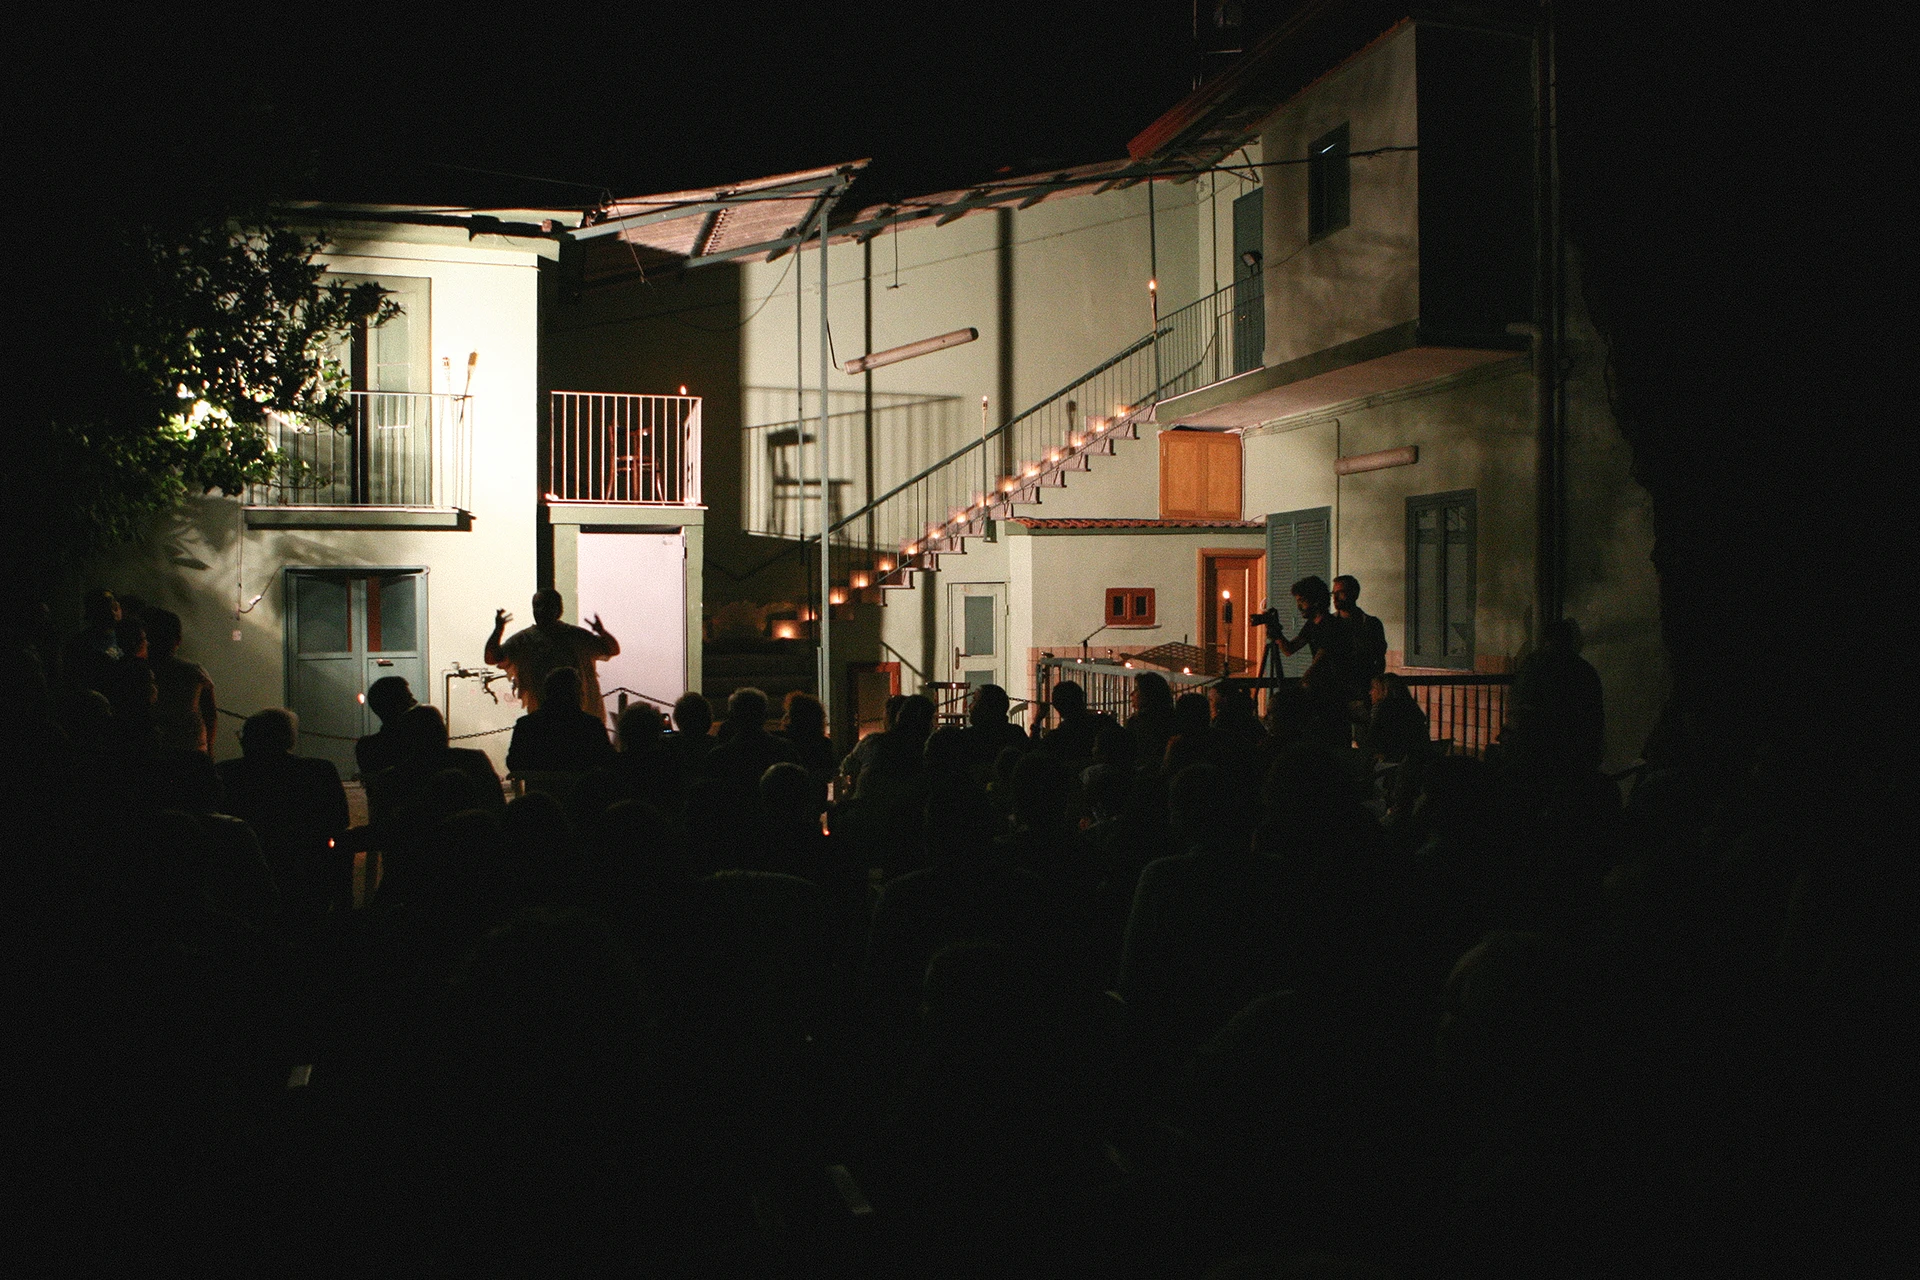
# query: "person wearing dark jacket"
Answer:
x=560 y=737
x=296 y=807
x=390 y=697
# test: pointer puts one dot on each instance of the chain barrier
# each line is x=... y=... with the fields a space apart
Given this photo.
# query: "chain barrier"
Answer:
x=336 y=737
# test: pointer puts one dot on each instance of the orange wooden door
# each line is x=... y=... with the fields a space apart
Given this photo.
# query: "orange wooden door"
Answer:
x=1231 y=583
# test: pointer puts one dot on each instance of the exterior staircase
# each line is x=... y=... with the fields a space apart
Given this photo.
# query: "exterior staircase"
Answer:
x=907 y=529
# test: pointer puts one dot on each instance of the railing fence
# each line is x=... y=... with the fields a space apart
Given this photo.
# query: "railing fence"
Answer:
x=398 y=449
x=639 y=450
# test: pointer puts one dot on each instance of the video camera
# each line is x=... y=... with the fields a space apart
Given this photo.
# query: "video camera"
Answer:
x=1269 y=618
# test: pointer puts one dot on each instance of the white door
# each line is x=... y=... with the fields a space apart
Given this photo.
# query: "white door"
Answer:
x=637 y=583
x=977 y=632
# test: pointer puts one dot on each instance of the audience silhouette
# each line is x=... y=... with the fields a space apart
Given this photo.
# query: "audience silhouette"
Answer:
x=1201 y=994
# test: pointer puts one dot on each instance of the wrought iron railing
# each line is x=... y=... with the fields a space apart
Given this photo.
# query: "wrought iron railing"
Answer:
x=1012 y=460
x=952 y=497
x=1108 y=685
x=398 y=449
x=637 y=450
x=1467 y=711
x=1212 y=339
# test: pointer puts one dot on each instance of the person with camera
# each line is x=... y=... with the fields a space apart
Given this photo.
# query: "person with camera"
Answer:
x=1329 y=679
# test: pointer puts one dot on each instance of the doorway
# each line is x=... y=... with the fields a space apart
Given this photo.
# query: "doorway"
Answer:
x=1231 y=583
x=636 y=582
x=976 y=632
x=347 y=628
x=869 y=685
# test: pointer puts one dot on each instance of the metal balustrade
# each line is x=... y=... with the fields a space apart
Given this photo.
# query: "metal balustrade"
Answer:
x=1108 y=685
x=397 y=449
x=634 y=450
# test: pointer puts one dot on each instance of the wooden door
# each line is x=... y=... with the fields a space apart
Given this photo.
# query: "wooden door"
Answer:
x=1231 y=584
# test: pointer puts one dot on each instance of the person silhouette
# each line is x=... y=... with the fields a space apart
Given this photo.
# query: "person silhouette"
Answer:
x=533 y=653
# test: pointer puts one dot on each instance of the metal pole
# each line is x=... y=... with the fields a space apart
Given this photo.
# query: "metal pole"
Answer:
x=986 y=466
x=826 y=525
x=1153 y=283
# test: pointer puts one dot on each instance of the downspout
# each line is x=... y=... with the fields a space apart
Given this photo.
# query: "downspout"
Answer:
x=1545 y=332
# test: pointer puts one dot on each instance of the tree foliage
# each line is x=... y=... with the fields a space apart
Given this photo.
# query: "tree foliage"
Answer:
x=205 y=331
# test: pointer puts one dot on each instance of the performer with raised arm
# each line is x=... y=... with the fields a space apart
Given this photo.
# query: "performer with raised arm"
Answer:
x=533 y=653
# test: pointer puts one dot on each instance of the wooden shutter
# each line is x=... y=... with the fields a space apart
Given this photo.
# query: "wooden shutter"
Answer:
x=1299 y=543
x=1199 y=475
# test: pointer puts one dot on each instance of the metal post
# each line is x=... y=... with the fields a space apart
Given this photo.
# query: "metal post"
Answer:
x=826 y=524
x=986 y=465
x=1153 y=284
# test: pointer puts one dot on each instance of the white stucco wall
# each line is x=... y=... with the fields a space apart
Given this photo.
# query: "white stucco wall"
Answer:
x=1475 y=433
x=484 y=300
x=1365 y=277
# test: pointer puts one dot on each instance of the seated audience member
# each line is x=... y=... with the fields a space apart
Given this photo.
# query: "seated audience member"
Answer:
x=1151 y=723
x=1073 y=737
x=972 y=890
x=390 y=697
x=90 y=655
x=560 y=737
x=746 y=750
x=184 y=712
x=1201 y=940
x=296 y=807
x=643 y=767
x=989 y=732
x=805 y=726
x=1396 y=726
x=1556 y=725
x=857 y=758
x=692 y=738
x=393 y=793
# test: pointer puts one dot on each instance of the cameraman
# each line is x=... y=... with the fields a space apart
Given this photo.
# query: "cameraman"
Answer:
x=1328 y=679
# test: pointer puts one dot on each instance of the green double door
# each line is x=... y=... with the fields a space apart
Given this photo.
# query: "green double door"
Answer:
x=347 y=628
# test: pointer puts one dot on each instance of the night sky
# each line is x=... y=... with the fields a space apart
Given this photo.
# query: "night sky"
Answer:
x=405 y=107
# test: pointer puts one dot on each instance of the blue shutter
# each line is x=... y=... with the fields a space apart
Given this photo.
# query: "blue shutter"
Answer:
x=1299 y=543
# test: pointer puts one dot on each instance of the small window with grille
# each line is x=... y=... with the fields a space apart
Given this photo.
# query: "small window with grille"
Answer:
x=1130 y=607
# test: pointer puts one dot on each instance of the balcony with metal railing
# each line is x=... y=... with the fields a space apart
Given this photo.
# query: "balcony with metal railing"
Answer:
x=623 y=450
x=397 y=451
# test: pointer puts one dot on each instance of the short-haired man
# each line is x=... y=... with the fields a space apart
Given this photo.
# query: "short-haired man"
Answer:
x=533 y=653
x=1328 y=678
x=297 y=807
x=1369 y=633
x=1369 y=652
x=390 y=697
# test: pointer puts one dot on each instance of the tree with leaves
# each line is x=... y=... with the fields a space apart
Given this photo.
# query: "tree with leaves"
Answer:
x=172 y=348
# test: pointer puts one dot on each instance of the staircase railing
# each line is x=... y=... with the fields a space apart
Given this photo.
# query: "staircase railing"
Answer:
x=929 y=512
x=961 y=489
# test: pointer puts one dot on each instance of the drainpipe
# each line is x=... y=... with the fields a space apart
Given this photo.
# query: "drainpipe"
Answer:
x=1545 y=333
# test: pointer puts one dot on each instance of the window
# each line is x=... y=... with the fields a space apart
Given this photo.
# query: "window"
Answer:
x=395 y=356
x=1299 y=544
x=1327 y=187
x=1440 y=567
x=1130 y=607
x=1199 y=475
